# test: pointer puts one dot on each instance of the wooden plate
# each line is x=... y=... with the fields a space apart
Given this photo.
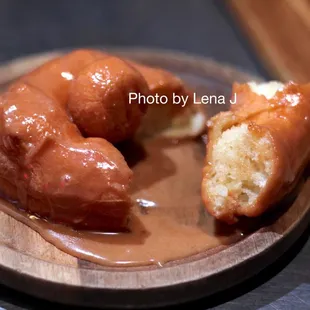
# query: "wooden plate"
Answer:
x=30 y=264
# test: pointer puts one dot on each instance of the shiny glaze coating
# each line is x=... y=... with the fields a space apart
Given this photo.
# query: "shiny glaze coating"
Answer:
x=99 y=103
x=45 y=162
x=58 y=123
x=94 y=87
x=285 y=121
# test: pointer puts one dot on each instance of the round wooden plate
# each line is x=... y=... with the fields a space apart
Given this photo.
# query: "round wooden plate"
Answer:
x=30 y=264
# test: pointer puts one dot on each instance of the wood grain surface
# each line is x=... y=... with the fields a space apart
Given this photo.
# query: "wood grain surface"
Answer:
x=280 y=32
x=29 y=264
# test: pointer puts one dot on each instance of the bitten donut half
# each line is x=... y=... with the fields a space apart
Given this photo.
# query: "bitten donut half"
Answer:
x=257 y=150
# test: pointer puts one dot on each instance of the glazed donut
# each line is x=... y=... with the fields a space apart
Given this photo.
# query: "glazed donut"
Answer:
x=94 y=87
x=46 y=164
x=257 y=150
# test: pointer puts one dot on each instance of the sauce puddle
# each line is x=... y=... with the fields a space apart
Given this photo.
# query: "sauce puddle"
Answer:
x=168 y=221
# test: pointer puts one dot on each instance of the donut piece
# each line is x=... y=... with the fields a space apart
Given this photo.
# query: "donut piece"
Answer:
x=47 y=165
x=99 y=99
x=257 y=150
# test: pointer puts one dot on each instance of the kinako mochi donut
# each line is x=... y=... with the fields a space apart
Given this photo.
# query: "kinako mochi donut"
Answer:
x=257 y=150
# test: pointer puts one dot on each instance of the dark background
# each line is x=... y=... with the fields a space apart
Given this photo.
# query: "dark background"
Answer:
x=202 y=27
x=195 y=26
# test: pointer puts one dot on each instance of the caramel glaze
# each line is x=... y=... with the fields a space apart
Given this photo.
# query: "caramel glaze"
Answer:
x=285 y=121
x=57 y=124
x=168 y=221
x=45 y=162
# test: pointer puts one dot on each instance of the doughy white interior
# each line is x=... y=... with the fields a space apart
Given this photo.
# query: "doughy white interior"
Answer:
x=241 y=161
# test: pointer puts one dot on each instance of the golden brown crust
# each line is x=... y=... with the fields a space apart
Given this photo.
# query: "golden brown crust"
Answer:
x=285 y=121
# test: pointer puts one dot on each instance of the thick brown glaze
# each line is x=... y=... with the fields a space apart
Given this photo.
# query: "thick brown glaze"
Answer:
x=98 y=99
x=93 y=87
x=46 y=164
x=45 y=161
x=57 y=124
x=168 y=221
